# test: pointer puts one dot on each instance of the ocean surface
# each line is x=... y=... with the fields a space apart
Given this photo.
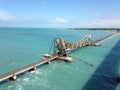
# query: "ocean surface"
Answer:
x=94 y=68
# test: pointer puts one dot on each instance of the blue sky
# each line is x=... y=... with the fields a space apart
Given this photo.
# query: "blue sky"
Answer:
x=59 y=13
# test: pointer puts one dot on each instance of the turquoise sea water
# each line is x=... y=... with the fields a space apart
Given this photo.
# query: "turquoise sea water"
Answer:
x=26 y=45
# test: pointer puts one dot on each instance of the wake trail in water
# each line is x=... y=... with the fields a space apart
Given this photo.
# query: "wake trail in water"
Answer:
x=84 y=61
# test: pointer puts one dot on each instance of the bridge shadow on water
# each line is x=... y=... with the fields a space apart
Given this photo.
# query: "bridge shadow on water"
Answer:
x=106 y=76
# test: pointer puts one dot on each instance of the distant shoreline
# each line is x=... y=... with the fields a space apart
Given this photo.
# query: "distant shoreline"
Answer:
x=117 y=29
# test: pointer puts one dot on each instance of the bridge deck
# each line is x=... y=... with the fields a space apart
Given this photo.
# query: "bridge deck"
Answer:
x=26 y=68
x=102 y=38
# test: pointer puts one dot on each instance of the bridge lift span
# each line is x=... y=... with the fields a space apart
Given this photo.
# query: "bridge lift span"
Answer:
x=62 y=47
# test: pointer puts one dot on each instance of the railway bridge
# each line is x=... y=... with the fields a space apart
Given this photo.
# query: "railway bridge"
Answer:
x=61 y=50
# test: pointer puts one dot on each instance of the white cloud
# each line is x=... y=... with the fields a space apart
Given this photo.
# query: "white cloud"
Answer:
x=6 y=16
x=61 y=20
x=96 y=14
x=111 y=22
x=29 y=19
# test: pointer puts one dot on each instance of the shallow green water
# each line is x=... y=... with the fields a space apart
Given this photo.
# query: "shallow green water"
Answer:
x=27 y=45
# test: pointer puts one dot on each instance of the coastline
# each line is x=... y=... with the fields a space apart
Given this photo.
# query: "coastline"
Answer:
x=104 y=29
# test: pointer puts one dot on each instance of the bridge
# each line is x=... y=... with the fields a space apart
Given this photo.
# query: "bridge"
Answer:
x=13 y=74
x=63 y=47
x=61 y=50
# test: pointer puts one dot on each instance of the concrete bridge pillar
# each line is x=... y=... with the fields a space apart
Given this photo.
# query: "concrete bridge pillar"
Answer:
x=14 y=77
x=34 y=68
x=49 y=62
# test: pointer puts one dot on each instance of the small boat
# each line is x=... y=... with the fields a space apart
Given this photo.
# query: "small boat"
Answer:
x=96 y=44
x=45 y=56
x=10 y=61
